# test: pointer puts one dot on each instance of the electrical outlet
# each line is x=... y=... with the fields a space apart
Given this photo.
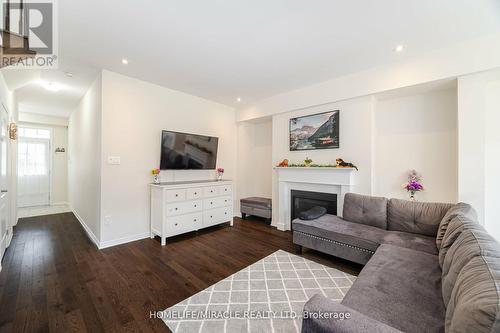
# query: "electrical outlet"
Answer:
x=108 y=220
x=114 y=160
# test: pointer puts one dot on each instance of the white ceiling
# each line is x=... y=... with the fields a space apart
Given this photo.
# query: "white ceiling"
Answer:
x=224 y=49
x=34 y=98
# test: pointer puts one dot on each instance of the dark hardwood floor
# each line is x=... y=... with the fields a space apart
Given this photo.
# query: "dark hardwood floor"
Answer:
x=55 y=280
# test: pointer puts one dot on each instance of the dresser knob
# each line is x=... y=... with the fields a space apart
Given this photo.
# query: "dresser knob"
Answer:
x=211 y=203
x=176 y=195
x=176 y=208
x=195 y=193
x=195 y=220
x=194 y=206
x=176 y=224
x=211 y=216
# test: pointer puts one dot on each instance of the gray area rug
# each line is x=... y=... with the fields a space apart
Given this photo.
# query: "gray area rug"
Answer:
x=267 y=296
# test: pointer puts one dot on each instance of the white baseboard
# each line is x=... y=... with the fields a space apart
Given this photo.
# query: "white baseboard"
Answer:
x=89 y=232
x=123 y=240
x=3 y=247
x=9 y=237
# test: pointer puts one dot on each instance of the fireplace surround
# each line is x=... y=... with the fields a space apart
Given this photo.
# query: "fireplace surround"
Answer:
x=338 y=181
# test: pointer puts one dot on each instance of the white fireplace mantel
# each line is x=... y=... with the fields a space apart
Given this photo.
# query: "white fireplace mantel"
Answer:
x=337 y=181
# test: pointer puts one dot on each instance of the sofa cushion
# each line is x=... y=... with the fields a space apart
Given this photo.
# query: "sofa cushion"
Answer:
x=366 y=209
x=337 y=229
x=471 y=243
x=415 y=217
x=401 y=288
x=411 y=241
x=475 y=302
x=456 y=210
x=457 y=225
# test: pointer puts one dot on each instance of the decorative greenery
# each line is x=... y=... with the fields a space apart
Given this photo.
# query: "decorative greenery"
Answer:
x=303 y=165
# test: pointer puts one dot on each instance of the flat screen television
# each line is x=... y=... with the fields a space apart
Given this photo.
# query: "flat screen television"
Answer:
x=184 y=151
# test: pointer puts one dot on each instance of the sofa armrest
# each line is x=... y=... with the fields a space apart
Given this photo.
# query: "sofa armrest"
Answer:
x=351 y=322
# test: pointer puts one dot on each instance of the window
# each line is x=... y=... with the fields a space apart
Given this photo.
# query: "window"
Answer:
x=33 y=133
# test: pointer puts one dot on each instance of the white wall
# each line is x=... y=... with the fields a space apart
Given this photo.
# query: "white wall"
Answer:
x=133 y=115
x=355 y=141
x=59 y=174
x=84 y=149
x=492 y=159
x=254 y=168
x=386 y=137
x=36 y=118
x=479 y=137
x=417 y=132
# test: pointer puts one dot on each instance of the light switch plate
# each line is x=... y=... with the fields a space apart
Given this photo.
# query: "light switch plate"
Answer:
x=114 y=160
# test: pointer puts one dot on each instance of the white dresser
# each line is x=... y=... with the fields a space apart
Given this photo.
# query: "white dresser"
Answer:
x=180 y=207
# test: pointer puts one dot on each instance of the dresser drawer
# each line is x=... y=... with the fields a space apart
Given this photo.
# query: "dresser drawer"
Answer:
x=184 y=223
x=210 y=191
x=225 y=190
x=216 y=216
x=185 y=207
x=217 y=202
x=194 y=193
x=175 y=195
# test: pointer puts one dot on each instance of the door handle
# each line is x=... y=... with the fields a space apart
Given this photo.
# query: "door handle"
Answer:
x=4 y=191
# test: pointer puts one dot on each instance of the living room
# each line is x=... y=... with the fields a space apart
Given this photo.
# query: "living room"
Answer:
x=245 y=173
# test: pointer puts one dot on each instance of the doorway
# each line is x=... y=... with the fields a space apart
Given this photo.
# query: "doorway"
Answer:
x=34 y=166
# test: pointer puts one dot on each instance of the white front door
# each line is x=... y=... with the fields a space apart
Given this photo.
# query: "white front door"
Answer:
x=33 y=167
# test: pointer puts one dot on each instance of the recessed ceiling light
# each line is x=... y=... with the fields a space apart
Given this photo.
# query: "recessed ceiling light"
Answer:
x=68 y=74
x=238 y=99
x=52 y=86
x=399 y=48
x=125 y=61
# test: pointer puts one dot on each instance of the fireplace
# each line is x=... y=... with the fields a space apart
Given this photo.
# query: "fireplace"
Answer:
x=305 y=200
x=337 y=181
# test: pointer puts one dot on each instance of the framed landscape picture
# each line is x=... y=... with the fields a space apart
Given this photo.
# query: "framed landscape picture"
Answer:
x=317 y=131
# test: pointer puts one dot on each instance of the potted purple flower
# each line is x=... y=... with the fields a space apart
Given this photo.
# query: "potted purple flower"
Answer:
x=414 y=184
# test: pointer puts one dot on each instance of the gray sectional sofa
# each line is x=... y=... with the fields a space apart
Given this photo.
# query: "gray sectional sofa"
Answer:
x=429 y=267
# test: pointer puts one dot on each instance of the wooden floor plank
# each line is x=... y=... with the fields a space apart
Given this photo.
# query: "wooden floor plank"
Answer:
x=54 y=279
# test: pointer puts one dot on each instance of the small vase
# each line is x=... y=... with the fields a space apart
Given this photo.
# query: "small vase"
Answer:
x=156 y=179
x=412 y=196
x=219 y=176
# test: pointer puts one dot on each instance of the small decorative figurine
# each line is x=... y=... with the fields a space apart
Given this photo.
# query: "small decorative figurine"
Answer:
x=342 y=164
x=308 y=162
x=283 y=164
